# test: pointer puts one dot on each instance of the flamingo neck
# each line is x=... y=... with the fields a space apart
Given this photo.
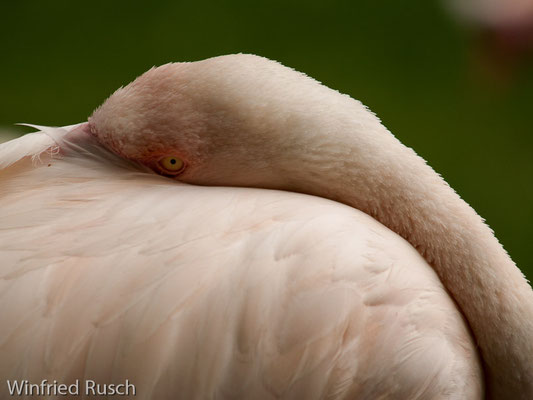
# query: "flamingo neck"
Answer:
x=375 y=173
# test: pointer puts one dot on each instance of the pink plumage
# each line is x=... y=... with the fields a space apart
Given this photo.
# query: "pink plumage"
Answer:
x=219 y=281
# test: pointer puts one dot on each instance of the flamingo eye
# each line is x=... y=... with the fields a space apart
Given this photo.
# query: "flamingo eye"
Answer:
x=171 y=164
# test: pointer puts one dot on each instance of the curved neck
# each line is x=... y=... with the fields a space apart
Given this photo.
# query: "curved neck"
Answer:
x=371 y=170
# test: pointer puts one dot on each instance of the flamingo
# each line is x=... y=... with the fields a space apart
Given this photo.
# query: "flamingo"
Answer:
x=231 y=228
x=503 y=31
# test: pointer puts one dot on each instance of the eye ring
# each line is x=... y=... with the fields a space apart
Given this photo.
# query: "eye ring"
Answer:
x=171 y=165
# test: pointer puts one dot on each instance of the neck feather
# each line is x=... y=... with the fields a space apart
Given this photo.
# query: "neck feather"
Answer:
x=368 y=168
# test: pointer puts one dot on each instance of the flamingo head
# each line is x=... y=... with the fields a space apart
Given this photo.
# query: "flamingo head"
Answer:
x=209 y=122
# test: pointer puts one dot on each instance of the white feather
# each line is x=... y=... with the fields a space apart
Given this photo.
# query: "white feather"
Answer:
x=32 y=144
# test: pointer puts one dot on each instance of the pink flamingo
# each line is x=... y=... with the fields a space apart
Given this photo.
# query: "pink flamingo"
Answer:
x=278 y=261
x=503 y=30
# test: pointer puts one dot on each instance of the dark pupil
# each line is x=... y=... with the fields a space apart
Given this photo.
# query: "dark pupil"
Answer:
x=173 y=161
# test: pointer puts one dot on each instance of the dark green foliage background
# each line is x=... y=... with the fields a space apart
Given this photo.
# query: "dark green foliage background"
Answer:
x=408 y=61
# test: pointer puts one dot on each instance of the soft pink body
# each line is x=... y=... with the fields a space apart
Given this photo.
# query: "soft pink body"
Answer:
x=208 y=292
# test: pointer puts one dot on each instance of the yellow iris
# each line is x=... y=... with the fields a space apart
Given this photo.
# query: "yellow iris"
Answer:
x=171 y=164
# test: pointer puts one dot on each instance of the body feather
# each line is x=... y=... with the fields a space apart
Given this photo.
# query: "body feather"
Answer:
x=110 y=272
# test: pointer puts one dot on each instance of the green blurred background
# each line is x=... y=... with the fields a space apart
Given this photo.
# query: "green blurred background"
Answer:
x=410 y=62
